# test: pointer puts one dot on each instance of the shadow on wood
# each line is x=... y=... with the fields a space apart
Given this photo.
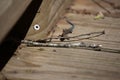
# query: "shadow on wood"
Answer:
x=18 y=32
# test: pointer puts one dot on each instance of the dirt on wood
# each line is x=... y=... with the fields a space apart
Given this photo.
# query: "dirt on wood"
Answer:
x=43 y=63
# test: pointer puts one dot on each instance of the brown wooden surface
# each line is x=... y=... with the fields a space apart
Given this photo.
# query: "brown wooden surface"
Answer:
x=10 y=12
x=46 y=18
x=38 y=63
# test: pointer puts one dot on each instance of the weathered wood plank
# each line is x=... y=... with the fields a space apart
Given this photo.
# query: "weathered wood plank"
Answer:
x=44 y=63
x=11 y=11
x=50 y=12
x=41 y=63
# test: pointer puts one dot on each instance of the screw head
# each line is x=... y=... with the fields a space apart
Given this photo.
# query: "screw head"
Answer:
x=36 y=27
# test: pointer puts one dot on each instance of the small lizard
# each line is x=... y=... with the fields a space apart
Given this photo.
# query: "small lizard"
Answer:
x=67 y=31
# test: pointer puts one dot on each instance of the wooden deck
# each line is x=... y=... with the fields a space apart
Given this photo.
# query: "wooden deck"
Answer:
x=43 y=63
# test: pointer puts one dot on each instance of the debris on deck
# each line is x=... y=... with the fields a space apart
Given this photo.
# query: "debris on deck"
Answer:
x=97 y=28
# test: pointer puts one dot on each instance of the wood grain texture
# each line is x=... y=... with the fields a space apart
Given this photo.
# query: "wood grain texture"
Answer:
x=42 y=63
x=10 y=12
x=50 y=12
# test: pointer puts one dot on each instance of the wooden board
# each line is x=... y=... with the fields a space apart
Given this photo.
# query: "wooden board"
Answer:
x=10 y=12
x=46 y=18
x=43 y=63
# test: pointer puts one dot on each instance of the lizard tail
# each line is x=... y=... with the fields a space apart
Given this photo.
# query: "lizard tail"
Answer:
x=73 y=26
